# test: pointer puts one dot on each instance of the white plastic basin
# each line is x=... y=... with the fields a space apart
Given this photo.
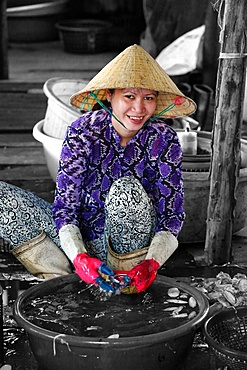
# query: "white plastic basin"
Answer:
x=52 y=148
x=59 y=113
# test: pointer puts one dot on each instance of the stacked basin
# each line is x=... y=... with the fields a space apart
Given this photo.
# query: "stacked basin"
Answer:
x=59 y=114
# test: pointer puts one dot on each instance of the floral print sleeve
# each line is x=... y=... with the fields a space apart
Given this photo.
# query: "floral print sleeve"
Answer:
x=73 y=172
x=92 y=159
x=167 y=189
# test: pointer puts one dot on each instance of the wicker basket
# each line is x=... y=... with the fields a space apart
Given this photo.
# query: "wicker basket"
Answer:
x=84 y=36
x=59 y=114
x=226 y=335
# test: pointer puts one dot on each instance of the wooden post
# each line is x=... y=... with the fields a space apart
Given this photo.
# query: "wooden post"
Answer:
x=227 y=131
x=4 y=74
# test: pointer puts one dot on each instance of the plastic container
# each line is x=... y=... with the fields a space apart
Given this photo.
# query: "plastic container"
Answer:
x=59 y=113
x=200 y=161
x=162 y=350
x=51 y=146
x=35 y=22
x=84 y=35
x=196 y=196
x=188 y=142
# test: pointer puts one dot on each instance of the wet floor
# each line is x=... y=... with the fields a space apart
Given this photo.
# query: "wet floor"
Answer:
x=16 y=350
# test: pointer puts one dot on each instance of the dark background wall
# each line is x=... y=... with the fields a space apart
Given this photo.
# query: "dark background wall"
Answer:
x=166 y=19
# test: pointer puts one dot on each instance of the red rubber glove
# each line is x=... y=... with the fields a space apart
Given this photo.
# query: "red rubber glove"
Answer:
x=88 y=269
x=142 y=276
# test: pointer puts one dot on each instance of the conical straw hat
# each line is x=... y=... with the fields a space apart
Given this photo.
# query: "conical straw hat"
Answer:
x=135 y=68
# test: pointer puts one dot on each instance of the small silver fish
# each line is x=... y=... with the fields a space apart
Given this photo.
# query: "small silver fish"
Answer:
x=180 y=315
x=177 y=311
x=93 y=328
x=114 y=336
x=168 y=309
x=173 y=292
x=192 y=315
x=178 y=301
x=192 y=302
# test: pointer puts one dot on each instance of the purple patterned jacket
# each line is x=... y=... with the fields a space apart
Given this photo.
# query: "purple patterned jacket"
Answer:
x=92 y=158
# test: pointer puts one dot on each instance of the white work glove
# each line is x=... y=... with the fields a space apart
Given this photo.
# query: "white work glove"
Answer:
x=142 y=275
x=88 y=268
x=163 y=245
x=71 y=241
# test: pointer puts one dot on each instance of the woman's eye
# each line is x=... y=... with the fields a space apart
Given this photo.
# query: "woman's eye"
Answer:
x=129 y=96
x=150 y=98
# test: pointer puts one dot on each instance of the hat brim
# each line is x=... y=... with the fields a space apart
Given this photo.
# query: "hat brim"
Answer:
x=135 y=68
x=184 y=107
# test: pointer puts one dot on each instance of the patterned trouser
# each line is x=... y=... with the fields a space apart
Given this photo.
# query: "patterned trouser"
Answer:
x=23 y=214
x=130 y=217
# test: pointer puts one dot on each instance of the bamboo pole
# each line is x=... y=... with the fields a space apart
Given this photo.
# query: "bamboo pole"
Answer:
x=226 y=131
x=4 y=74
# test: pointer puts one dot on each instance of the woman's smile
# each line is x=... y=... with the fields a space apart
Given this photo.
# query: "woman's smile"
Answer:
x=135 y=119
x=133 y=108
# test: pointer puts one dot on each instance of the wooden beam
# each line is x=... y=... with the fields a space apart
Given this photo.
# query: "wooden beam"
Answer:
x=21 y=110
x=21 y=157
x=227 y=131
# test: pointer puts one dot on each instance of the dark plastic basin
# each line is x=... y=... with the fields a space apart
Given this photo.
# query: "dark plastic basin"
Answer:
x=163 y=350
x=35 y=22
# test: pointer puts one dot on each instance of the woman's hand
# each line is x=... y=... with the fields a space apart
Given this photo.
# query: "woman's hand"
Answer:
x=89 y=269
x=142 y=276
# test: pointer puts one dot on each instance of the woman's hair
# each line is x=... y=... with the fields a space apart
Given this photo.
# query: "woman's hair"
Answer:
x=97 y=106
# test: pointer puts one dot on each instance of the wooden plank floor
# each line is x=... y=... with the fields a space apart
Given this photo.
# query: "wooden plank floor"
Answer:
x=22 y=161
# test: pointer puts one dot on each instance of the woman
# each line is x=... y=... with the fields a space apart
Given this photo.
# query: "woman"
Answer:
x=119 y=186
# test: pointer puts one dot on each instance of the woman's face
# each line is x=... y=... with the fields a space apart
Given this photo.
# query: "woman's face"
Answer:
x=133 y=107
